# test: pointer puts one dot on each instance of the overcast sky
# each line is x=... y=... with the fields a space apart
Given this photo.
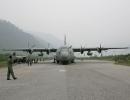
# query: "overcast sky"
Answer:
x=86 y=22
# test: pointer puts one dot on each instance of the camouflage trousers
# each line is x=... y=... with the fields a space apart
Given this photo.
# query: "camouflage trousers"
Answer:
x=10 y=72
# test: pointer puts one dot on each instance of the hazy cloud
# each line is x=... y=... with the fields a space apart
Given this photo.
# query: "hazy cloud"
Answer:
x=87 y=22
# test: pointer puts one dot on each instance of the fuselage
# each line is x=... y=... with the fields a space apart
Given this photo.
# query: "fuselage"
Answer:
x=65 y=55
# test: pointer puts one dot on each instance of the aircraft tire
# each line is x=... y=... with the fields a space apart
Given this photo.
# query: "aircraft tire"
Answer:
x=72 y=61
x=57 y=61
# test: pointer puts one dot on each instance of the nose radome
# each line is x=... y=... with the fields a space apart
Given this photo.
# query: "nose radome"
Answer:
x=64 y=54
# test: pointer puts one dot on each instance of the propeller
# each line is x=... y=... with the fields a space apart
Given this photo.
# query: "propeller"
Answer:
x=82 y=50
x=99 y=49
x=30 y=49
x=48 y=50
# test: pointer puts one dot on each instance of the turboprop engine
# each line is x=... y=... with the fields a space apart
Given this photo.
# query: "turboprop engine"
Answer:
x=89 y=53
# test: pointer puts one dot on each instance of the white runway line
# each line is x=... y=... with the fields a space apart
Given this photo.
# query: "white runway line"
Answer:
x=62 y=70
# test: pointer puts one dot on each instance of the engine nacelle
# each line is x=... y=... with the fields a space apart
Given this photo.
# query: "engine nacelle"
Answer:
x=81 y=51
x=41 y=54
x=89 y=53
x=48 y=51
x=30 y=51
x=99 y=50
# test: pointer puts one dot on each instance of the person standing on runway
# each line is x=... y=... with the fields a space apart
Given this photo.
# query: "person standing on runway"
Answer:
x=10 y=69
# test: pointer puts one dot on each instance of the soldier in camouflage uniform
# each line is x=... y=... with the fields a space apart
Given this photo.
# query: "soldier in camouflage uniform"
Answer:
x=10 y=69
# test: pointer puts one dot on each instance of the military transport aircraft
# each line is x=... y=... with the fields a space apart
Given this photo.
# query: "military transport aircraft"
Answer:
x=65 y=54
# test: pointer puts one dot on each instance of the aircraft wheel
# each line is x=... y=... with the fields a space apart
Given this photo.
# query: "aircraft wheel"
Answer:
x=65 y=62
x=57 y=61
x=72 y=61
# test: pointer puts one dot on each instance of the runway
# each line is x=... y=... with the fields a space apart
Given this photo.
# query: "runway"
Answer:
x=83 y=80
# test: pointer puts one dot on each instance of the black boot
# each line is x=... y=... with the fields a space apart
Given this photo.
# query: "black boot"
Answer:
x=15 y=78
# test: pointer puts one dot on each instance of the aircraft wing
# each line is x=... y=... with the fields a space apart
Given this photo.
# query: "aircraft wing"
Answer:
x=94 y=49
x=34 y=50
x=44 y=50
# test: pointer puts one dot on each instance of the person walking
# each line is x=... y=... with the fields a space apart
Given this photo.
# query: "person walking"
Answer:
x=10 y=69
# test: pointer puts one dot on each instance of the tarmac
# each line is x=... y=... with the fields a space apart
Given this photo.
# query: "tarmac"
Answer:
x=83 y=80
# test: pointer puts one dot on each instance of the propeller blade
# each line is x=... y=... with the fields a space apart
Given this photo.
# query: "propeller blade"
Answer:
x=100 y=46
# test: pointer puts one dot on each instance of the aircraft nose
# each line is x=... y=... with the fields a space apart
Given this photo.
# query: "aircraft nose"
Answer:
x=64 y=55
